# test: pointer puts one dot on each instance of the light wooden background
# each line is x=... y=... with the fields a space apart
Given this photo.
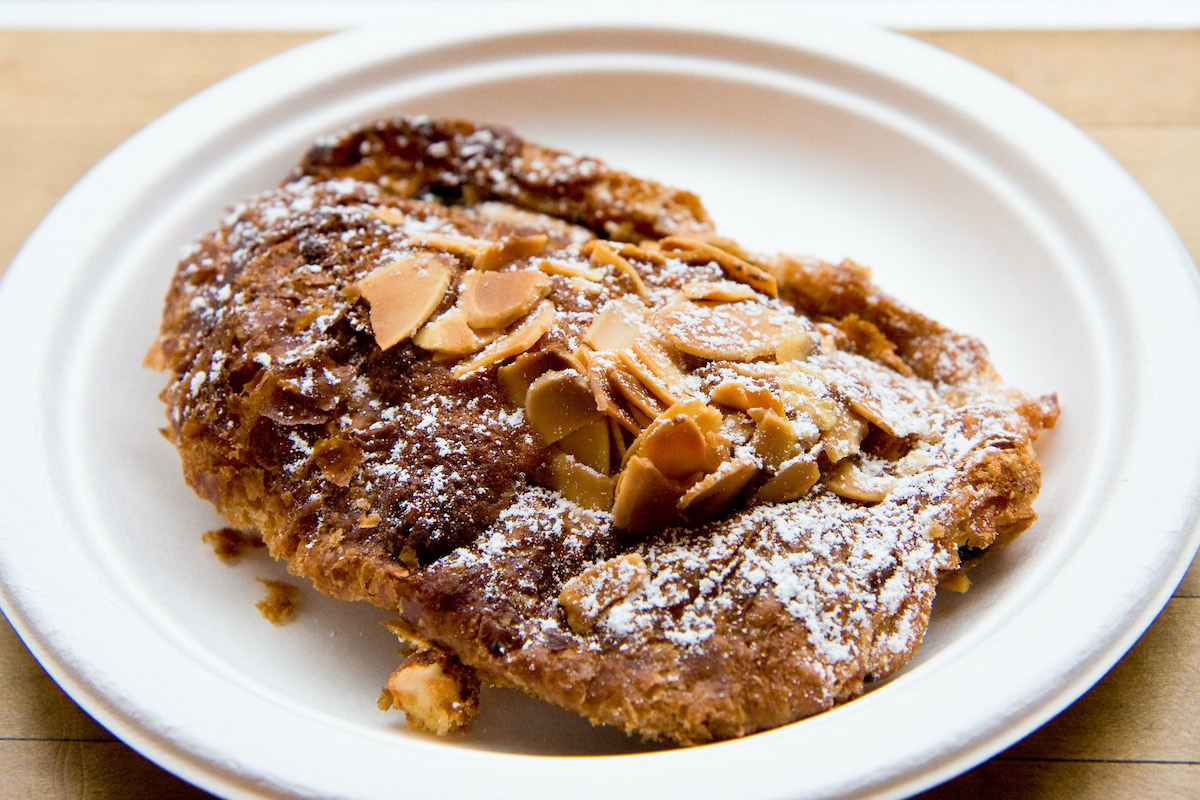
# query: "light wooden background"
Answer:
x=67 y=98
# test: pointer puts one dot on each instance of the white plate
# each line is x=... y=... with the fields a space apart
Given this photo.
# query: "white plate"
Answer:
x=970 y=200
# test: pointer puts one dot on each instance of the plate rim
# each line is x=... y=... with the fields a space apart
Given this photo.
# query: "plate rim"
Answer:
x=117 y=719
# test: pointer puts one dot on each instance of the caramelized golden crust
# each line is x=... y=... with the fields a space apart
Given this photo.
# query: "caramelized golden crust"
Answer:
x=577 y=441
x=467 y=163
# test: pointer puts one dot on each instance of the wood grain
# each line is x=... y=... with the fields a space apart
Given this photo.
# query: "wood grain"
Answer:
x=68 y=98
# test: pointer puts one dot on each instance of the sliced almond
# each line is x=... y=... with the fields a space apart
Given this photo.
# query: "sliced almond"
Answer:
x=871 y=409
x=509 y=249
x=516 y=377
x=824 y=411
x=579 y=483
x=603 y=255
x=497 y=299
x=571 y=269
x=559 y=403
x=744 y=398
x=741 y=331
x=463 y=246
x=850 y=481
x=717 y=492
x=717 y=291
x=404 y=294
x=646 y=251
x=389 y=215
x=650 y=362
x=775 y=440
x=645 y=499
x=637 y=396
x=599 y=371
x=451 y=333
x=845 y=437
x=588 y=595
x=591 y=446
x=682 y=441
x=617 y=438
x=676 y=446
x=617 y=325
x=719 y=446
x=694 y=251
x=792 y=481
x=517 y=341
x=794 y=347
x=436 y=693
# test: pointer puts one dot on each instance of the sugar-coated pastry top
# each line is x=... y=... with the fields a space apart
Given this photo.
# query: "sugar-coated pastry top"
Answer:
x=581 y=444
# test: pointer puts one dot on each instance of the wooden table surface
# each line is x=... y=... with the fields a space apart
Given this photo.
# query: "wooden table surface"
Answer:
x=68 y=97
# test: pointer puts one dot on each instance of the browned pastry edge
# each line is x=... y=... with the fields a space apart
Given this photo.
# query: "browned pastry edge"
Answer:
x=469 y=164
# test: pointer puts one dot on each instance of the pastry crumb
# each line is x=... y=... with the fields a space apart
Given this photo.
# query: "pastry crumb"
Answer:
x=282 y=602
x=230 y=544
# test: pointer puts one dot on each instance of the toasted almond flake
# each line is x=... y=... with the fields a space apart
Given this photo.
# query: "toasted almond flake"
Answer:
x=845 y=437
x=645 y=499
x=608 y=399
x=717 y=492
x=682 y=441
x=450 y=333
x=650 y=362
x=591 y=445
x=775 y=440
x=509 y=249
x=497 y=299
x=617 y=325
x=640 y=399
x=718 y=291
x=849 y=481
x=617 y=437
x=454 y=245
x=579 y=483
x=793 y=479
x=389 y=215
x=569 y=358
x=872 y=410
x=694 y=251
x=955 y=582
x=604 y=256
x=437 y=694
x=824 y=411
x=516 y=377
x=676 y=446
x=559 y=403
x=741 y=331
x=744 y=398
x=404 y=294
x=794 y=347
x=590 y=594
x=517 y=341
x=569 y=269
